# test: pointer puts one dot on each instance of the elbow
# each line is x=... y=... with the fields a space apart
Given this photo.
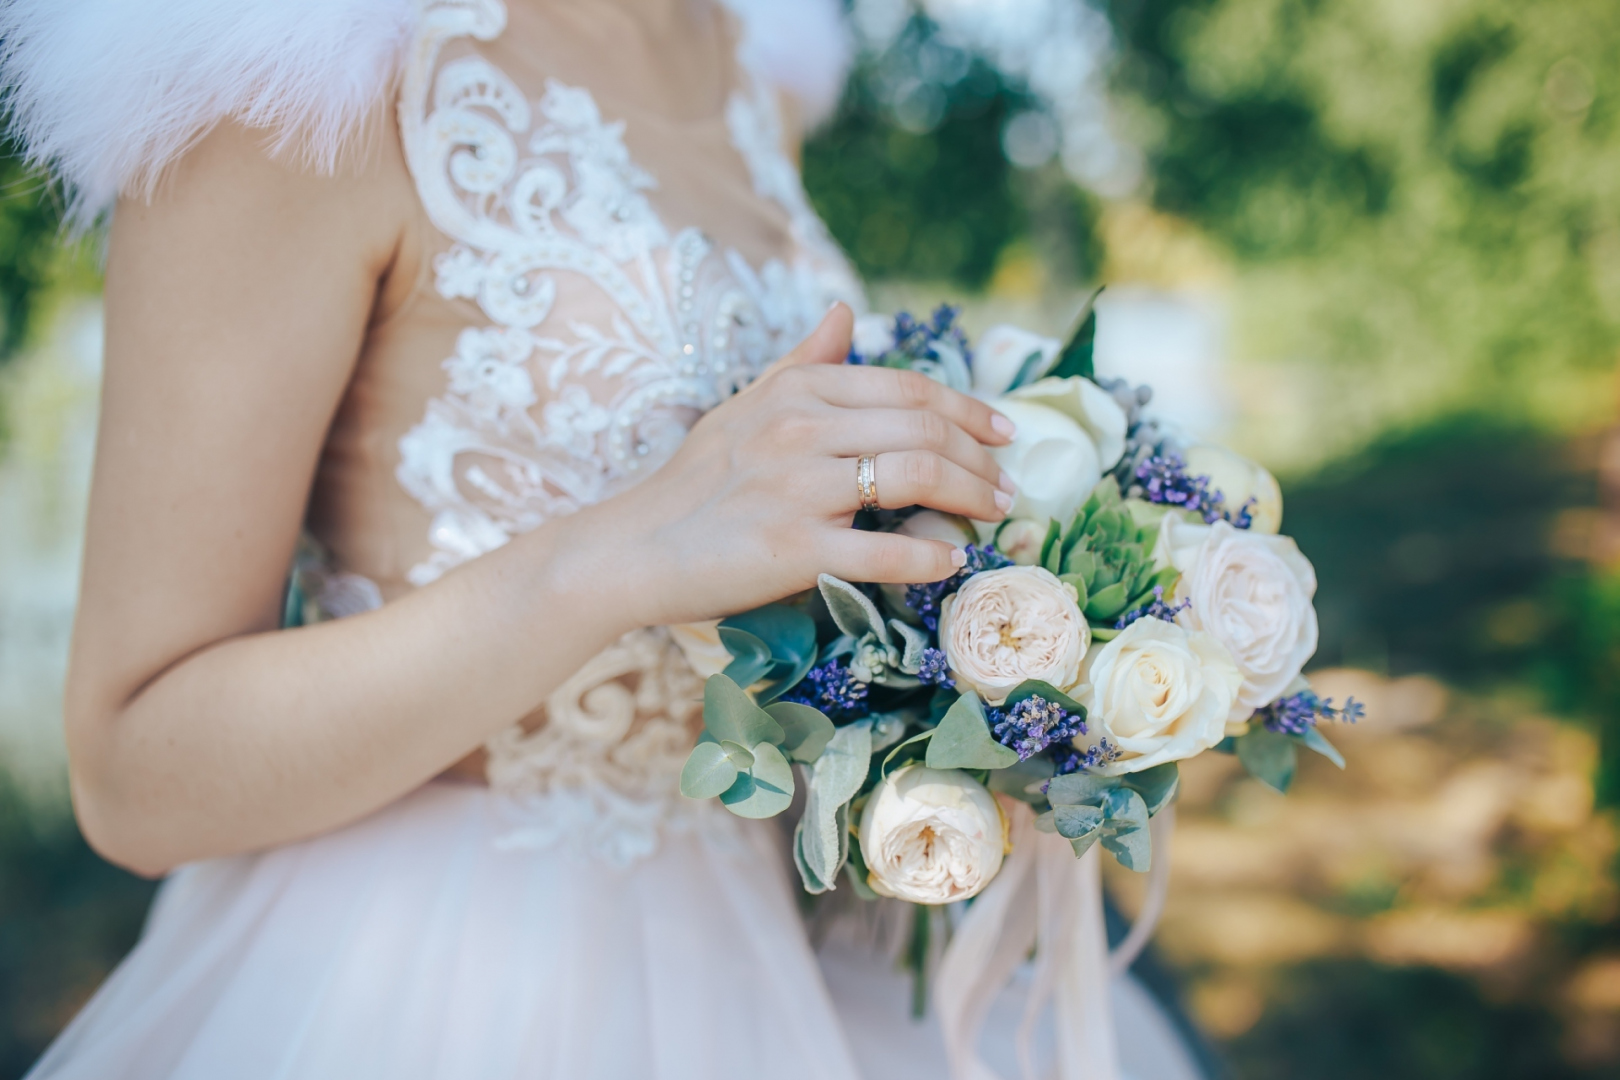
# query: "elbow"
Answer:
x=116 y=834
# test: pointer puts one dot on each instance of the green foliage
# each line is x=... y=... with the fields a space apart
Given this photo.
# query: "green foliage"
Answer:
x=1077 y=358
x=1420 y=192
x=1107 y=556
x=963 y=739
x=821 y=838
x=1087 y=808
x=30 y=256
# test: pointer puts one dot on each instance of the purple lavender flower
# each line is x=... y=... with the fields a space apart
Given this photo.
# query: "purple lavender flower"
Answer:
x=1070 y=760
x=1298 y=713
x=1158 y=609
x=832 y=688
x=935 y=670
x=1034 y=724
x=925 y=599
x=1164 y=479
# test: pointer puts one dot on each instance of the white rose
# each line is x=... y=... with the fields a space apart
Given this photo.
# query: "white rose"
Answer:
x=1005 y=626
x=1253 y=593
x=1002 y=353
x=931 y=836
x=1020 y=539
x=1238 y=479
x=1158 y=692
x=1088 y=405
x=701 y=643
x=873 y=336
x=1051 y=459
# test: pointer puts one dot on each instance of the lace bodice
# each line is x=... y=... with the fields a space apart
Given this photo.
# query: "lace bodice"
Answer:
x=587 y=325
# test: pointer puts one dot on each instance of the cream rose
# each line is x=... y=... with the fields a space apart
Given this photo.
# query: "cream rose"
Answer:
x=1158 y=692
x=1070 y=431
x=1002 y=353
x=1020 y=539
x=1005 y=626
x=701 y=644
x=931 y=836
x=1253 y=593
x=1238 y=479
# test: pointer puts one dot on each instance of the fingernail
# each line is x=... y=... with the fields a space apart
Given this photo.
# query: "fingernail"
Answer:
x=1003 y=426
x=958 y=558
x=1006 y=483
x=1004 y=501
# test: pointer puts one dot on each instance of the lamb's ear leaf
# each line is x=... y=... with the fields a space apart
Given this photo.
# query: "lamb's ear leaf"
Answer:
x=752 y=657
x=821 y=841
x=915 y=642
x=764 y=790
x=1269 y=757
x=708 y=772
x=963 y=739
x=1077 y=357
x=730 y=714
x=1315 y=740
x=851 y=609
x=1046 y=691
x=806 y=729
x=1157 y=785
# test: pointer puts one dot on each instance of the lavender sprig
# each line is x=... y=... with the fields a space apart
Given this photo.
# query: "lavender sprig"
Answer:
x=935 y=670
x=1164 y=479
x=1298 y=713
x=1034 y=724
x=925 y=599
x=916 y=339
x=1070 y=760
x=832 y=688
x=1158 y=609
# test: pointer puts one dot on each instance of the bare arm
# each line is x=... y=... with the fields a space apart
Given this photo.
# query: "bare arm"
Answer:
x=236 y=305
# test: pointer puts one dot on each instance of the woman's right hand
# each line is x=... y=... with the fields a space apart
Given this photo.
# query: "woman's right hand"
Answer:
x=760 y=498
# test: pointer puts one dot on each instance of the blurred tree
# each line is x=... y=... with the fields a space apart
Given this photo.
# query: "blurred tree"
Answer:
x=30 y=256
x=1421 y=192
x=912 y=180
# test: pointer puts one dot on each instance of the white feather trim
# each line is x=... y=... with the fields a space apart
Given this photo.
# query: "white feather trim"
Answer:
x=801 y=46
x=107 y=93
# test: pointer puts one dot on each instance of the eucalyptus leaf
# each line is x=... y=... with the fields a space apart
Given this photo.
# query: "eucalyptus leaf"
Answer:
x=886 y=730
x=1073 y=822
x=1157 y=785
x=751 y=656
x=1080 y=788
x=1125 y=829
x=1019 y=780
x=851 y=609
x=788 y=633
x=729 y=713
x=963 y=739
x=765 y=790
x=806 y=729
x=1269 y=757
x=1315 y=740
x=738 y=754
x=921 y=736
x=708 y=772
x=1046 y=823
x=1084 y=843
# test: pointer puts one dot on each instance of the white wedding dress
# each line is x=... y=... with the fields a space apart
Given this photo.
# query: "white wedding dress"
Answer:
x=599 y=276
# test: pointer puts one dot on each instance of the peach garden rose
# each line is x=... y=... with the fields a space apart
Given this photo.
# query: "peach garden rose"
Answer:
x=1006 y=626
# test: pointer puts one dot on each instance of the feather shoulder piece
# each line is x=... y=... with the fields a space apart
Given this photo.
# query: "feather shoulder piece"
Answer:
x=107 y=93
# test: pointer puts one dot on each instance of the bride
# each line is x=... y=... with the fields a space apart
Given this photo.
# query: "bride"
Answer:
x=518 y=312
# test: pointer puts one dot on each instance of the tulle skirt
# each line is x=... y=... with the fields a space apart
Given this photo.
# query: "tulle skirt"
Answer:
x=416 y=944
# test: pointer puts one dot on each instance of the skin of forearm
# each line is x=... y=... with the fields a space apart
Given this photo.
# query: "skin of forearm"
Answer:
x=271 y=737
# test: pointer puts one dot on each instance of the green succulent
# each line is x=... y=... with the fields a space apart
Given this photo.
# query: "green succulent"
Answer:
x=1106 y=555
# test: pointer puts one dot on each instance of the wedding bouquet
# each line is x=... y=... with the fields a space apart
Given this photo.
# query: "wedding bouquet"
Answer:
x=1137 y=608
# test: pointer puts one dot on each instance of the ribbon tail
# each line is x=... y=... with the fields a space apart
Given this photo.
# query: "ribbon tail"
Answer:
x=1085 y=1015
x=992 y=941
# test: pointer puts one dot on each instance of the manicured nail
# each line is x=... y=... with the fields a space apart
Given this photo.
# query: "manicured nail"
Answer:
x=1006 y=483
x=1003 y=426
x=1004 y=501
x=958 y=558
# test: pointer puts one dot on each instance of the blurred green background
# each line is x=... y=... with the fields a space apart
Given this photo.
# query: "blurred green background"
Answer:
x=1399 y=222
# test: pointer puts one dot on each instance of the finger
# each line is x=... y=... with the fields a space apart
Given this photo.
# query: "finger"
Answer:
x=856 y=387
x=849 y=433
x=913 y=478
x=889 y=558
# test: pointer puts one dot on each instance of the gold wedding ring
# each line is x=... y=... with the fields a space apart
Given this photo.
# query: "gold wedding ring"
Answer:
x=866 y=482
